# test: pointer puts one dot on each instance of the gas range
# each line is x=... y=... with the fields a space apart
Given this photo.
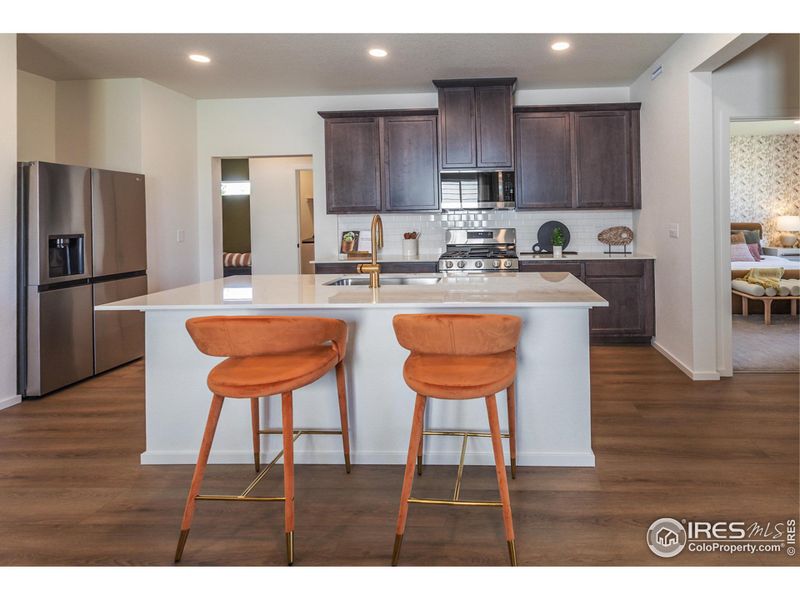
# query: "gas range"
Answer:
x=480 y=250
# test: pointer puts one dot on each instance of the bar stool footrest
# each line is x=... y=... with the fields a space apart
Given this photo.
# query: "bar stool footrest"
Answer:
x=445 y=502
x=241 y=498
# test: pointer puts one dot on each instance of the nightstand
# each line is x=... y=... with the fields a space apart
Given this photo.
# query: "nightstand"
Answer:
x=776 y=251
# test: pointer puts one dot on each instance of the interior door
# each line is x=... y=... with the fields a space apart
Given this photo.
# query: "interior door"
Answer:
x=119 y=223
x=118 y=335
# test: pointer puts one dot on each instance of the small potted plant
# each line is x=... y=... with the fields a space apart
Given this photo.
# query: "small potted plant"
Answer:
x=411 y=244
x=557 y=239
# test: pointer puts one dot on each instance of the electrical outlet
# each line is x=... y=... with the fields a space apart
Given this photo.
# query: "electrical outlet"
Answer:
x=180 y=236
x=674 y=231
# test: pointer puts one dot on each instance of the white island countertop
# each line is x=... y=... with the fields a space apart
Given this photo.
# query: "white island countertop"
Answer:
x=266 y=292
x=552 y=383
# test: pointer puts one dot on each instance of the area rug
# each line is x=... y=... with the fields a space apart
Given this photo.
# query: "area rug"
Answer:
x=766 y=348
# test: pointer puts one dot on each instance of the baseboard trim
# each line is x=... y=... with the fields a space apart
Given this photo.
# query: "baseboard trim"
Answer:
x=693 y=375
x=524 y=459
x=12 y=401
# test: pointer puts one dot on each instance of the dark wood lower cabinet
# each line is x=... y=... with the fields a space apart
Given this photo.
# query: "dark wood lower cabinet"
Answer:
x=627 y=284
x=349 y=268
x=629 y=287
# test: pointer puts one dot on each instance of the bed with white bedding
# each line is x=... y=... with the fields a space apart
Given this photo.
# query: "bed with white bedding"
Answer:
x=787 y=262
x=790 y=264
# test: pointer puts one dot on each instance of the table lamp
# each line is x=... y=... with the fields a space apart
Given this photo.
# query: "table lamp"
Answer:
x=788 y=223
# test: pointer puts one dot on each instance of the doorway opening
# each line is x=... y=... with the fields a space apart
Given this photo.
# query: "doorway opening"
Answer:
x=236 y=236
x=305 y=219
x=765 y=225
x=267 y=215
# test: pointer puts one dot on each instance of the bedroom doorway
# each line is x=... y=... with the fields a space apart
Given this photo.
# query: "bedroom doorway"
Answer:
x=236 y=236
x=764 y=200
x=277 y=223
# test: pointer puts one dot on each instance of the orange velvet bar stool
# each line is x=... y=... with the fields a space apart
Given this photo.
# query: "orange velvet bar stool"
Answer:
x=266 y=356
x=458 y=357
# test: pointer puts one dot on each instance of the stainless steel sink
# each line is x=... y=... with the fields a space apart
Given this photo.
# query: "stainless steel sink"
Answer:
x=388 y=280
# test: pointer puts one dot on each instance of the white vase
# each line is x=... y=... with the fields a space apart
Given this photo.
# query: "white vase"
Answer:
x=410 y=248
x=557 y=252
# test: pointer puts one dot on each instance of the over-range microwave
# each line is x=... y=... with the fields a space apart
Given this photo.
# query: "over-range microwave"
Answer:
x=477 y=190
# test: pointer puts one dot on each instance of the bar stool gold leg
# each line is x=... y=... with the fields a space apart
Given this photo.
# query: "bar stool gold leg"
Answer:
x=408 y=479
x=255 y=421
x=342 y=391
x=288 y=473
x=512 y=428
x=199 y=471
x=419 y=450
x=502 y=481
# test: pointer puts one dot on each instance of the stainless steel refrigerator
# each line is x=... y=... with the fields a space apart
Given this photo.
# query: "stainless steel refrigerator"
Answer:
x=81 y=242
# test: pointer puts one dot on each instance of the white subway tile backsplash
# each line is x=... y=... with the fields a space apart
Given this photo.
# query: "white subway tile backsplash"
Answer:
x=583 y=226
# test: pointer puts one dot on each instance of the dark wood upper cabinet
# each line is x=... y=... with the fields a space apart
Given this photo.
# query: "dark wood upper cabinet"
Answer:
x=603 y=155
x=494 y=127
x=457 y=124
x=578 y=157
x=476 y=123
x=352 y=164
x=381 y=161
x=410 y=163
x=544 y=160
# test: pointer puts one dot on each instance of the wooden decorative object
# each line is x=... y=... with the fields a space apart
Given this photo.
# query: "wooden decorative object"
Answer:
x=616 y=236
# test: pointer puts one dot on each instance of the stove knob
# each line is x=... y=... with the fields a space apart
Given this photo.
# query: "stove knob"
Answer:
x=449 y=264
x=478 y=264
x=461 y=264
x=507 y=264
x=496 y=264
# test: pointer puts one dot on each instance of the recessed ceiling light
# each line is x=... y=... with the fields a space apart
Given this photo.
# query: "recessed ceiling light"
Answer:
x=560 y=46
x=199 y=58
x=378 y=52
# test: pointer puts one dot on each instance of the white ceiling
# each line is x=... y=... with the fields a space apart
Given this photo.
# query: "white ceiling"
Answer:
x=782 y=127
x=259 y=65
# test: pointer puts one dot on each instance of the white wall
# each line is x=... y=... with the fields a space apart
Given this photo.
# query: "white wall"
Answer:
x=762 y=82
x=291 y=126
x=168 y=150
x=678 y=187
x=98 y=123
x=36 y=102
x=667 y=196
x=8 y=219
x=138 y=126
x=274 y=221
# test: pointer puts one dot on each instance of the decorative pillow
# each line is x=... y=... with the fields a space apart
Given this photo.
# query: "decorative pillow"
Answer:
x=737 y=237
x=741 y=253
x=755 y=250
x=751 y=236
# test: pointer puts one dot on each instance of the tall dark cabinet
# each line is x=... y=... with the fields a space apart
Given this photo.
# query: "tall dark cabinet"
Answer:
x=605 y=160
x=476 y=123
x=381 y=161
x=544 y=160
x=577 y=156
x=352 y=164
x=410 y=163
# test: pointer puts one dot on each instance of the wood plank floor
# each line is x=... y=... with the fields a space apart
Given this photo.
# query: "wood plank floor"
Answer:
x=72 y=490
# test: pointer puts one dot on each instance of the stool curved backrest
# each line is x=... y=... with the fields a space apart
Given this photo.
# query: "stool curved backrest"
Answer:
x=257 y=336
x=457 y=334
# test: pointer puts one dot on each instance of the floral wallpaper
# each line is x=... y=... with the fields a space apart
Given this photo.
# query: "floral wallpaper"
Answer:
x=765 y=180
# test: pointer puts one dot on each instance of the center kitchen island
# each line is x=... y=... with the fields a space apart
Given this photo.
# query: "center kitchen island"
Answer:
x=552 y=386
